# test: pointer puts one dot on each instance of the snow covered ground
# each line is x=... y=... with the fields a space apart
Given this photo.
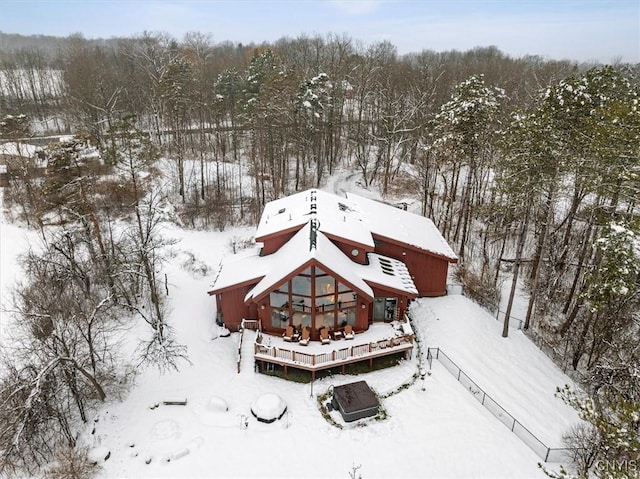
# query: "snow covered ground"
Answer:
x=513 y=371
x=14 y=240
x=441 y=431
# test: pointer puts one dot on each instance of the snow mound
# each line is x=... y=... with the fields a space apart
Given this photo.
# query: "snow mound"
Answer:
x=216 y=404
x=268 y=408
x=213 y=412
x=220 y=332
x=98 y=455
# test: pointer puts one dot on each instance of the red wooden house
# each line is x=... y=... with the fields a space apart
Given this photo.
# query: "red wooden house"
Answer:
x=321 y=260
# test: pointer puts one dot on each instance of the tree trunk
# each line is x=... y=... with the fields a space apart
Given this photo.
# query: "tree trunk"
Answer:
x=583 y=253
x=535 y=268
x=516 y=269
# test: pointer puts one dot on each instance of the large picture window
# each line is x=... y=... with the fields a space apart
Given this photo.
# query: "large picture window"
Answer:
x=279 y=300
x=301 y=303
x=346 y=316
x=301 y=285
x=325 y=285
x=313 y=299
x=279 y=318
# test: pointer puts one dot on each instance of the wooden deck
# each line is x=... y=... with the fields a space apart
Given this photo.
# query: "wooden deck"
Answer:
x=366 y=346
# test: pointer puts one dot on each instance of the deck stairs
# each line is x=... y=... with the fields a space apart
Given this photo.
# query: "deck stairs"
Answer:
x=245 y=360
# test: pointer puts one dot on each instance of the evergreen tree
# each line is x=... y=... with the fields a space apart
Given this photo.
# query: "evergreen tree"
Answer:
x=609 y=444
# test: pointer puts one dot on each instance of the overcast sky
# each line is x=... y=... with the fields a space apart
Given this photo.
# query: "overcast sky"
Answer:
x=588 y=30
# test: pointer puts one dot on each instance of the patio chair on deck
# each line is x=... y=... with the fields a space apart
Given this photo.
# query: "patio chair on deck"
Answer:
x=306 y=336
x=348 y=332
x=324 y=336
x=290 y=334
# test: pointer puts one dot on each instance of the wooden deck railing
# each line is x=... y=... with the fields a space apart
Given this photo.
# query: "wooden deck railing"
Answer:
x=239 y=354
x=254 y=324
x=337 y=356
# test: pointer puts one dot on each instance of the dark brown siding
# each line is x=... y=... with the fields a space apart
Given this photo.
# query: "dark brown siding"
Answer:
x=362 y=315
x=347 y=249
x=273 y=242
x=234 y=309
x=263 y=309
x=271 y=245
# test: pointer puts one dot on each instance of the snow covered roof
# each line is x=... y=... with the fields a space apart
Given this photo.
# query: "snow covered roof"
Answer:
x=316 y=216
x=337 y=216
x=242 y=267
x=306 y=245
x=388 y=272
x=390 y=222
x=355 y=219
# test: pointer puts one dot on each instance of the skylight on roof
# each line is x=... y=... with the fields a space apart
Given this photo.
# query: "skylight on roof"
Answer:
x=386 y=266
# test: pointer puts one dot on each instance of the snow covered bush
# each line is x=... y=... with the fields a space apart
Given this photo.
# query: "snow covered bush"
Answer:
x=609 y=444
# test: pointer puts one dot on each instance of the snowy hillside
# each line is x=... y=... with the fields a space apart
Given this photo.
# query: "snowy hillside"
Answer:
x=441 y=431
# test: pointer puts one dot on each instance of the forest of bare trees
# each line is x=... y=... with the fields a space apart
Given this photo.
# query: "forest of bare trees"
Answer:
x=530 y=169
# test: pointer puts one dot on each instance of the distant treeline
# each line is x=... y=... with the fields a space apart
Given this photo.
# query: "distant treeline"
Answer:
x=12 y=42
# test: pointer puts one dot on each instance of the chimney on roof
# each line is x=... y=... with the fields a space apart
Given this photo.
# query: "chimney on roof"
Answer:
x=313 y=234
x=314 y=204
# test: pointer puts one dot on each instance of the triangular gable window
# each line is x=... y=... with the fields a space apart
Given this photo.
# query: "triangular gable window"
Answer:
x=329 y=303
